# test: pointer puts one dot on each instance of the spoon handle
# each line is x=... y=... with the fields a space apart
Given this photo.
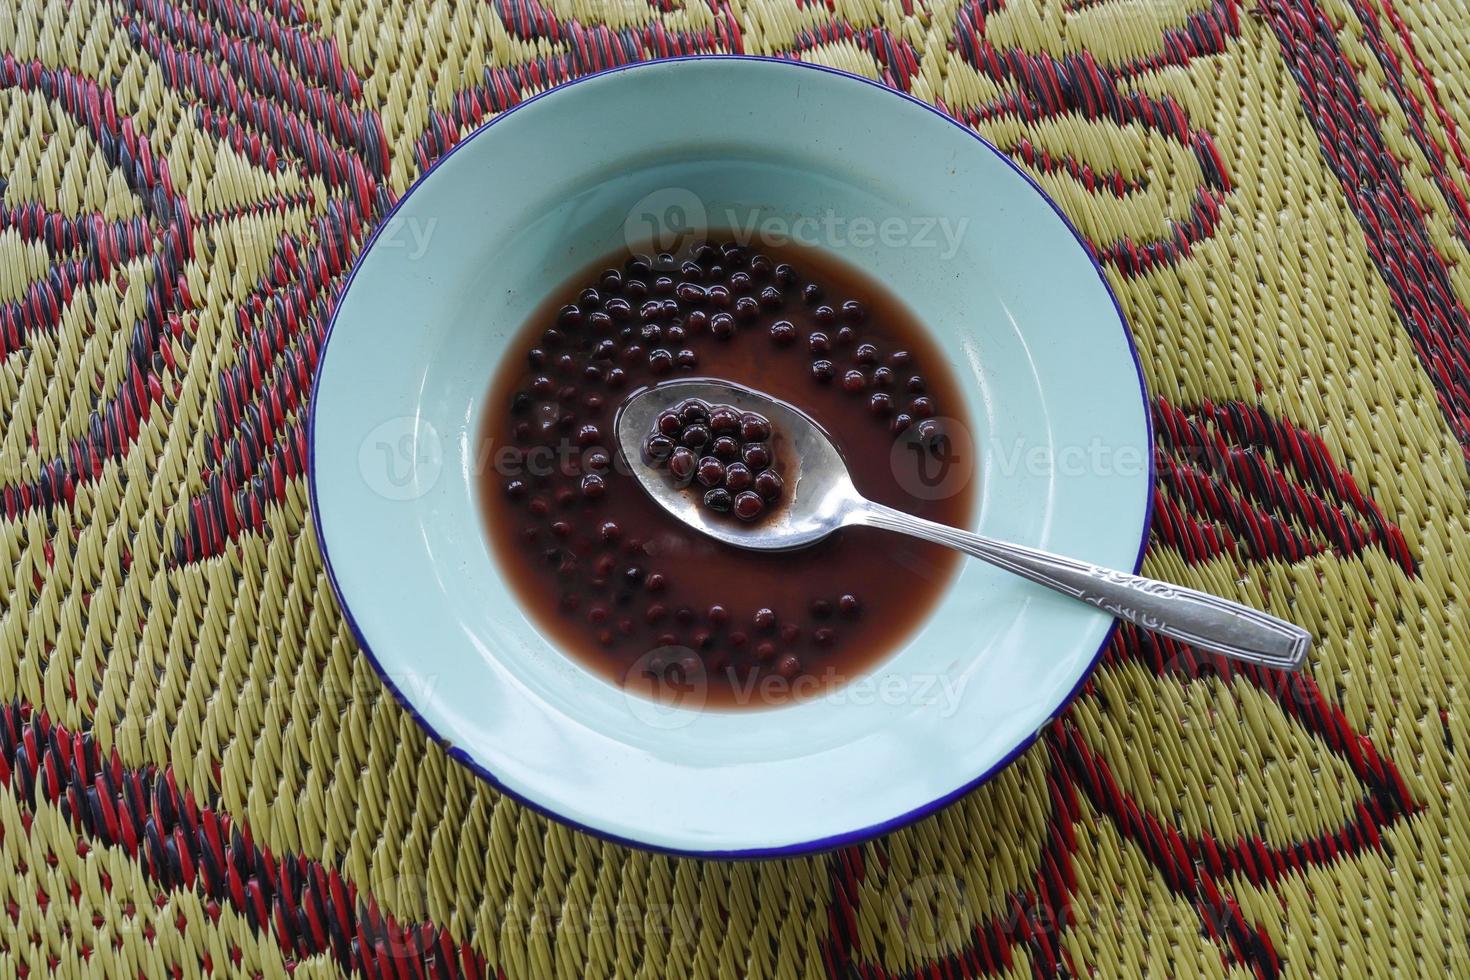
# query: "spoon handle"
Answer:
x=1194 y=617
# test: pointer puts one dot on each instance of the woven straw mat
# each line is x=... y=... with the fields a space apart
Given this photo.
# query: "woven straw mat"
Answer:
x=199 y=773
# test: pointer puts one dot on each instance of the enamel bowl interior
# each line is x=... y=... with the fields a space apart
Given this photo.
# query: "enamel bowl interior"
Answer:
x=1045 y=361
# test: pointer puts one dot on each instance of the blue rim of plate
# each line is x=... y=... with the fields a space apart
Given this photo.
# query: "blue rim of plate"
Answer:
x=801 y=848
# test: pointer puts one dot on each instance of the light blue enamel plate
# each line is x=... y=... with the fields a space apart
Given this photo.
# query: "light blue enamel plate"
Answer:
x=1048 y=369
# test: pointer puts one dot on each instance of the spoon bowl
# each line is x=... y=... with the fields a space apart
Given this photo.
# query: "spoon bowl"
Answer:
x=819 y=497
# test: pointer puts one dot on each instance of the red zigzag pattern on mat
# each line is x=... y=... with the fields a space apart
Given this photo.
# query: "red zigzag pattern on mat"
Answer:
x=1192 y=868
x=182 y=844
x=1352 y=143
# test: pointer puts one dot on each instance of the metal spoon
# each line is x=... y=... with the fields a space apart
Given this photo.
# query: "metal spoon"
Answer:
x=820 y=498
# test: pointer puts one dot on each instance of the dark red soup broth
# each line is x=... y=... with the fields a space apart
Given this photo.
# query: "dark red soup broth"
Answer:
x=633 y=593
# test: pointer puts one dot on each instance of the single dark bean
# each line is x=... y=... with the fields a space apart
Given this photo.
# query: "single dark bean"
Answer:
x=818 y=342
x=717 y=295
x=748 y=505
x=725 y=447
x=724 y=421
x=772 y=298
x=569 y=317
x=722 y=325
x=851 y=607
x=686 y=358
x=660 y=361
x=866 y=354
x=764 y=619
x=739 y=281
x=711 y=471
x=695 y=436
x=783 y=333
x=718 y=500
x=854 y=312
x=682 y=462
x=663 y=286
x=690 y=292
x=760 y=265
x=593 y=486
x=822 y=371
x=753 y=428
x=881 y=404
x=660 y=447
x=746 y=308
x=737 y=477
x=922 y=407
x=755 y=455
x=821 y=608
x=768 y=484
x=853 y=382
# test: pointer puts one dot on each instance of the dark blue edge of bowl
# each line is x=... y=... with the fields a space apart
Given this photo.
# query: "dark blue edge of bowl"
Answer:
x=801 y=848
